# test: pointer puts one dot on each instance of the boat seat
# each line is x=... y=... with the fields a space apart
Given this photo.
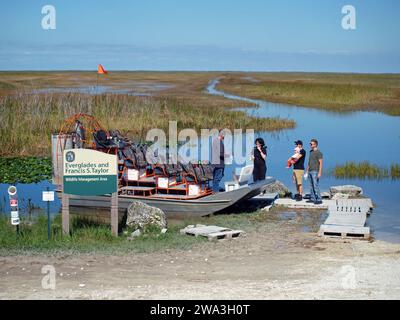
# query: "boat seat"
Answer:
x=240 y=179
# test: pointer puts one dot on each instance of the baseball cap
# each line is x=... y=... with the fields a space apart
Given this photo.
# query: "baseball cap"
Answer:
x=298 y=142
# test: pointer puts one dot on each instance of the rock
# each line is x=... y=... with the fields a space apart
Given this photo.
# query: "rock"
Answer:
x=278 y=187
x=141 y=216
x=164 y=230
x=267 y=208
x=136 y=233
x=340 y=195
x=350 y=190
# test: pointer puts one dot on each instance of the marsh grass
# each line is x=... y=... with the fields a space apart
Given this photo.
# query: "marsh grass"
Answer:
x=27 y=120
x=395 y=171
x=93 y=236
x=366 y=170
x=334 y=92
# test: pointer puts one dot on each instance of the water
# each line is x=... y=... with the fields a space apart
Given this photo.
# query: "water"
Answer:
x=132 y=89
x=92 y=90
x=29 y=195
x=353 y=136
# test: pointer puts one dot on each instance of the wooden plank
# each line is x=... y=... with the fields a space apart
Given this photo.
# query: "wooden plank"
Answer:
x=65 y=213
x=344 y=231
x=114 y=213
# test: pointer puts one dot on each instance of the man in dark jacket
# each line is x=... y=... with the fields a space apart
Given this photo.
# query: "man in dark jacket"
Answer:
x=298 y=171
x=218 y=159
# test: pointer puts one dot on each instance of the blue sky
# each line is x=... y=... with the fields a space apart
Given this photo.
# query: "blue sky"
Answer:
x=254 y=35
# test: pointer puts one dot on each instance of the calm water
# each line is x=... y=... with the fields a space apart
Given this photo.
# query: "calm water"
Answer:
x=351 y=136
x=132 y=89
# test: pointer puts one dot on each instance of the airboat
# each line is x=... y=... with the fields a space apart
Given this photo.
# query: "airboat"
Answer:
x=178 y=188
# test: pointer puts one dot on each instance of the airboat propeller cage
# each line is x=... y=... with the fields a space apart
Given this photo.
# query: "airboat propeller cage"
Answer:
x=71 y=135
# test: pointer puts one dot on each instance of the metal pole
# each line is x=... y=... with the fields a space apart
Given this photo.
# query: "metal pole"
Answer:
x=48 y=218
x=13 y=197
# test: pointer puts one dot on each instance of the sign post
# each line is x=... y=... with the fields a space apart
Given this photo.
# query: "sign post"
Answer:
x=12 y=194
x=88 y=172
x=48 y=196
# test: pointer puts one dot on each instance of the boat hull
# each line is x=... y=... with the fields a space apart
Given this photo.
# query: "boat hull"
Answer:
x=172 y=207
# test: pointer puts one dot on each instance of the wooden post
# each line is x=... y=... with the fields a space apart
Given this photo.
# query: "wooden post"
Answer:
x=65 y=213
x=114 y=213
x=64 y=205
x=114 y=208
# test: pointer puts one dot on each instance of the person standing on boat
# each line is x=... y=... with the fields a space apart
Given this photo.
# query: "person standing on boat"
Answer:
x=218 y=159
x=298 y=170
x=314 y=172
x=259 y=157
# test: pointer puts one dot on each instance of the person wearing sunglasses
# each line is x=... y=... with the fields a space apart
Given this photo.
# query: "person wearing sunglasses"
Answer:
x=314 y=172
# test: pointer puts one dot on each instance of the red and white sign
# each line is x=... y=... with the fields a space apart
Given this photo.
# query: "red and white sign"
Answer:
x=13 y=202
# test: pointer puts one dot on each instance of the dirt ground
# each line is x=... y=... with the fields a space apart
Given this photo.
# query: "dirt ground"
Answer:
x=272 y=262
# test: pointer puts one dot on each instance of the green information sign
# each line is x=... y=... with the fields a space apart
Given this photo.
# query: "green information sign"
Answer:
x=89 y=172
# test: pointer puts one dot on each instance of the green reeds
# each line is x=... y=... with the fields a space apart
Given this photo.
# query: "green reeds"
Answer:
x=365 y=170
x=27 y=120
x=333 y=92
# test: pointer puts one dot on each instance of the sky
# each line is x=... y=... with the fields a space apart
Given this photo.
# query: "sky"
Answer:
x=251 y=35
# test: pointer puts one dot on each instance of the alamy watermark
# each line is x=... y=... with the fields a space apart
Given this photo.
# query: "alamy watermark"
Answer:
x=49 y=280
x=349 y=19
x=49 y=19
x=187 y=146
x=348 y=281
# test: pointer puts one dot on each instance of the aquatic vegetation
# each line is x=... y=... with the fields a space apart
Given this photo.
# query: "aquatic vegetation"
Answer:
x=28 y=120
x=395 y=171
x=25 y=170
x=365 y=170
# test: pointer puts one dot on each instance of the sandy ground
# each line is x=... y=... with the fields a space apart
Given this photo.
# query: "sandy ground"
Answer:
x=272 y=262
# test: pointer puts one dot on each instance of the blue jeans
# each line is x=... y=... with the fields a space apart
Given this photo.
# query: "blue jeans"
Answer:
x=315 y=194
x=218 y=173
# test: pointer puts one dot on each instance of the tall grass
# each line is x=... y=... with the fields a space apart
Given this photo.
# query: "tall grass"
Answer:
x=87 y=236
x=335 y=92
x=27 y=120
x=366 y=170
x=91 y=235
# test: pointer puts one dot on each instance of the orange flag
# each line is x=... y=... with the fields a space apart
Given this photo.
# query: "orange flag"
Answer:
x=100 y=70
